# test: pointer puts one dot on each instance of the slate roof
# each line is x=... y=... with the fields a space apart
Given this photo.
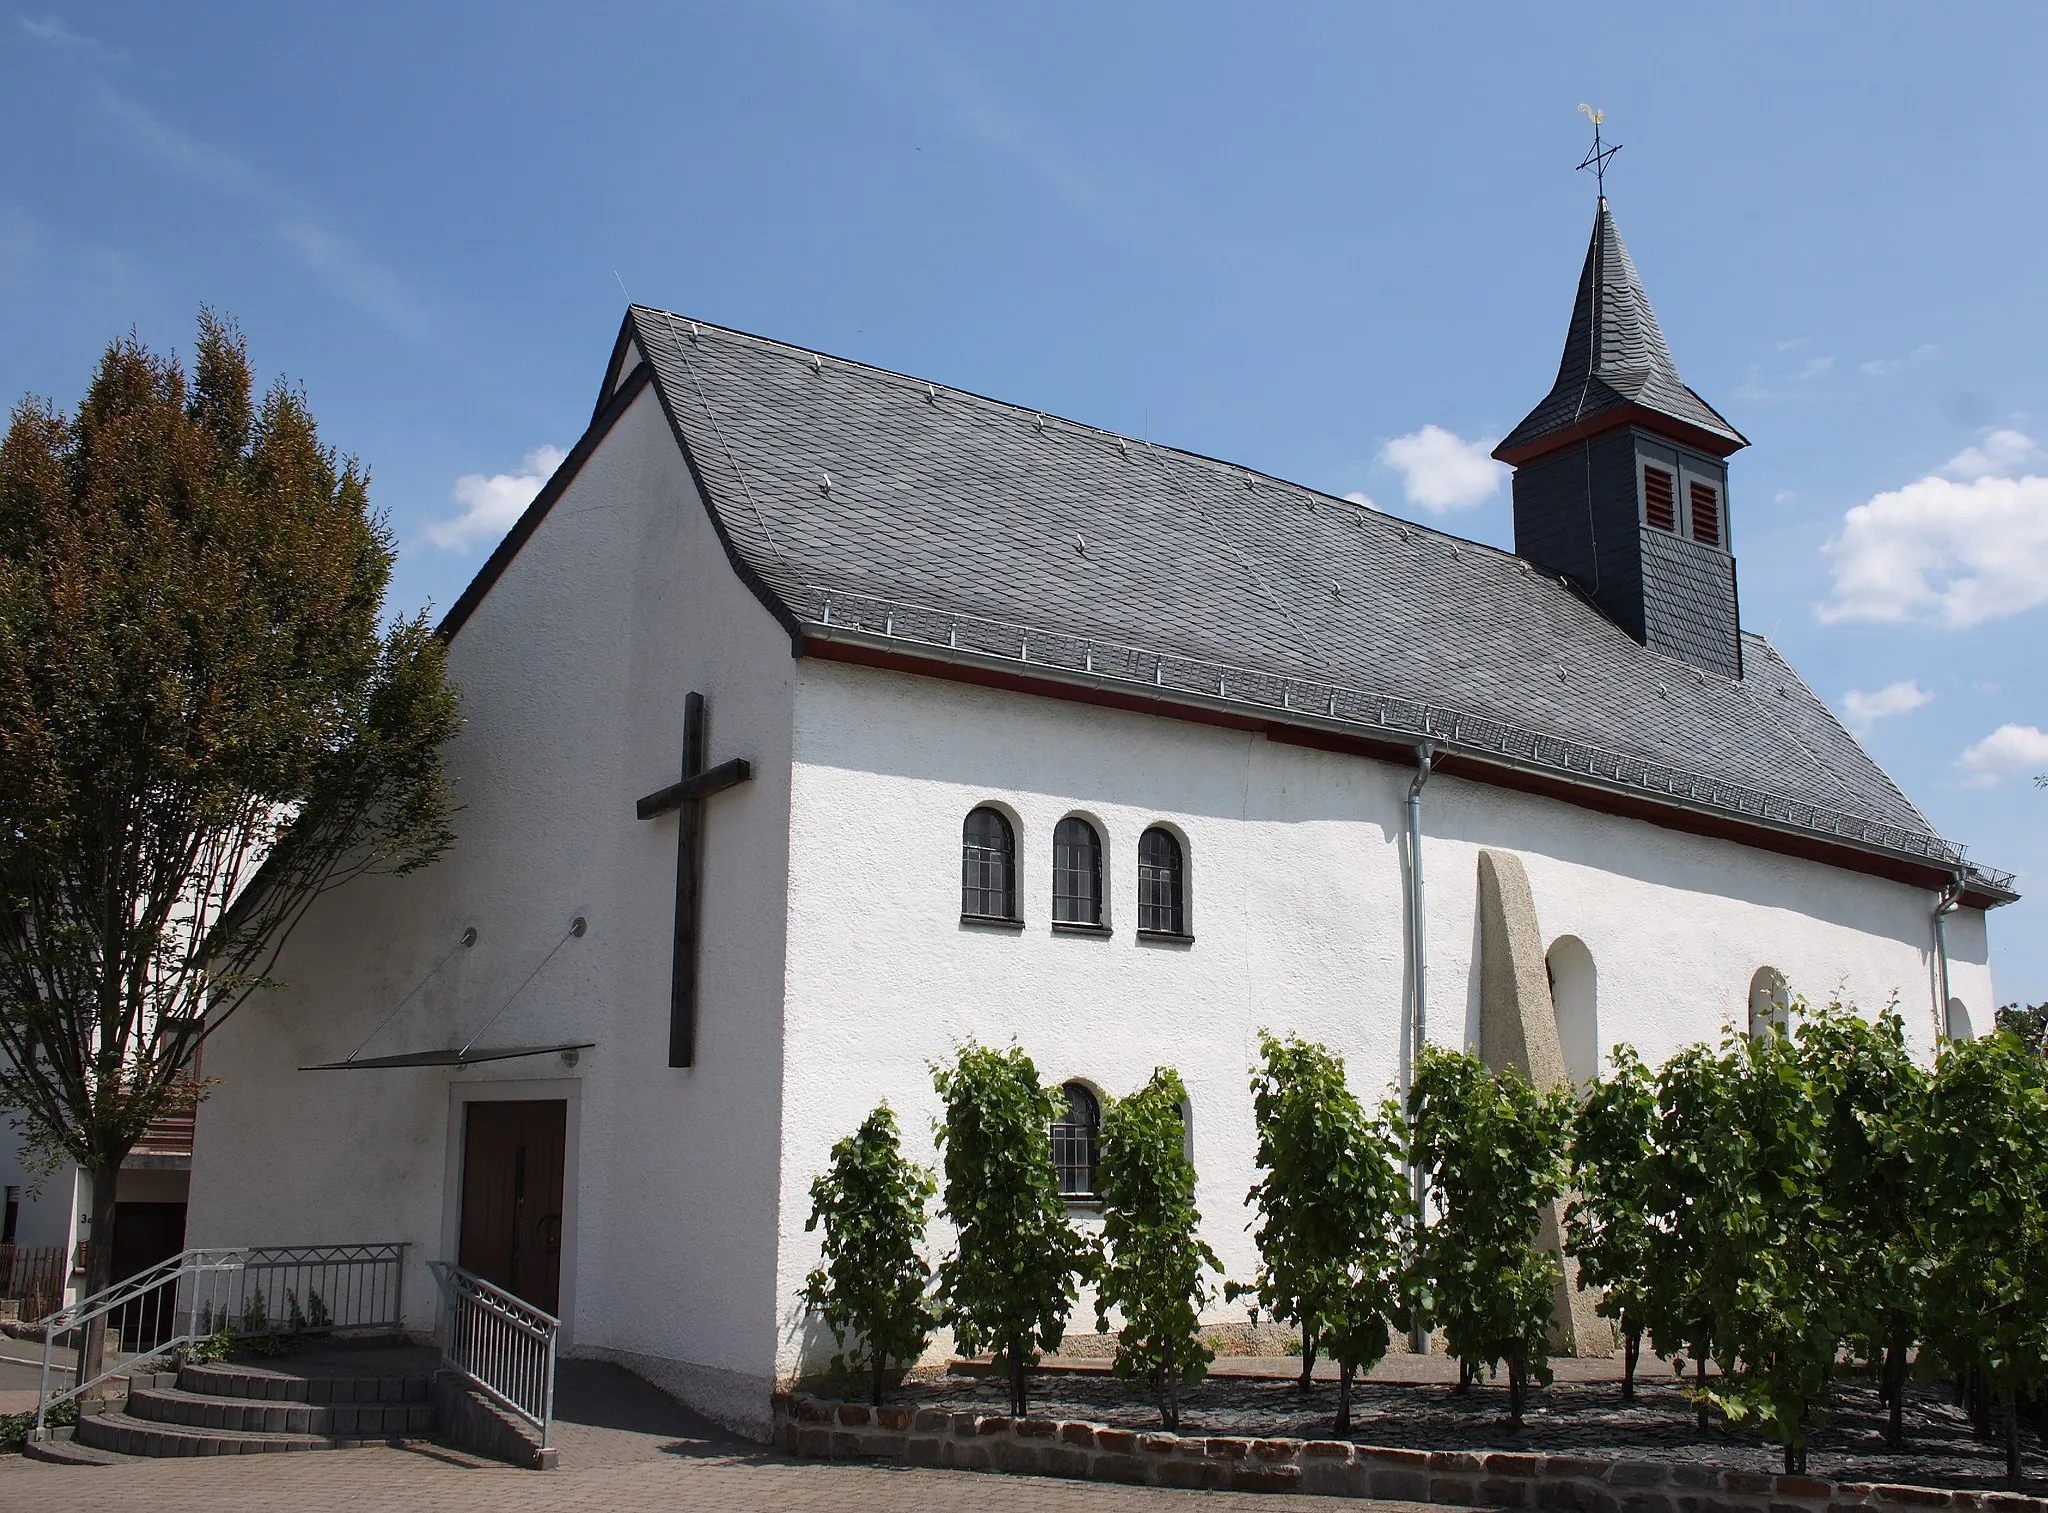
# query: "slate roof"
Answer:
x=938 y=523
x=1614 y=357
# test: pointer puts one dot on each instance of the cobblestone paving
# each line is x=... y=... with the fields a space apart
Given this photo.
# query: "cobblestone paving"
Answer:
x=1569 y=1417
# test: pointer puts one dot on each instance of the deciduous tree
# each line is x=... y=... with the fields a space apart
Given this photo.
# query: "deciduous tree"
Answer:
x=1609 y=1225
x=1155 y=1266
x=1873 y=1098
x=1017 y=1262
x=870 y=1287
x=1493 y=1150
x=1983 y=1159
x=1777 y=1288
x=196 y=680
x=1694 y=1157
x=1331 y=1206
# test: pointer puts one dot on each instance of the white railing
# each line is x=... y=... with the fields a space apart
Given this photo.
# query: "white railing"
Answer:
x=245 y=1291
x=502 y=1344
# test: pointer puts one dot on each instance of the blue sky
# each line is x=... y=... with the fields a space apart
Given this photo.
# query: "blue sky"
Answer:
x=1337 y=243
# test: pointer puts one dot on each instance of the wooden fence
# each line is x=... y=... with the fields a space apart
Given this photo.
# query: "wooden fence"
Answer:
x=33 y=1276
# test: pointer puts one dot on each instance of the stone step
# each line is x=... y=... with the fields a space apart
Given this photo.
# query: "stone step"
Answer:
x=61 y=1449
x=127 y=1435
x=220 y=1379
x=247 y=1415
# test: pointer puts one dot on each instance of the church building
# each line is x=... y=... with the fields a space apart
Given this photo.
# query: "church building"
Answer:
x=819 y=718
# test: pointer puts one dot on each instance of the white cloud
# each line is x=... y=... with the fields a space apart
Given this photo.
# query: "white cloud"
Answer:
x=2000 y=454
x=54 y=33
x=1882 y=367
x=1866 y=709
x=1442 y=471
x=2008 y=749
x=1957 y=551
x=1789 y=383
x=1359 y=496
x=490 y=504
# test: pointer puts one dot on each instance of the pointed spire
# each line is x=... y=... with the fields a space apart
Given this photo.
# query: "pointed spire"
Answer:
x=1616 y=369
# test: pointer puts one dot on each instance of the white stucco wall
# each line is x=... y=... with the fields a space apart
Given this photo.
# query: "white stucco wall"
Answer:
x=835 y=968
x=573 y=673
x=1296 y=899
x=49 y=1202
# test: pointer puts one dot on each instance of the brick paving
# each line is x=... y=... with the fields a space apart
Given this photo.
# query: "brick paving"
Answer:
x=361 y=1480
x=623 y=1445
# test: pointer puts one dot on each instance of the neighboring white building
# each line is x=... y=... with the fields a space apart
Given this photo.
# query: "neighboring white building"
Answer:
x=926 y=620
x=45 y=1216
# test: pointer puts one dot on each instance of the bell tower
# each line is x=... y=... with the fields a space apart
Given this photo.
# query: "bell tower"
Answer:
x=1621 y=474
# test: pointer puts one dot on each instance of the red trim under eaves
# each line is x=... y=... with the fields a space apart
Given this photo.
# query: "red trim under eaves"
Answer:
x=1402 y=754
x=1613 y=420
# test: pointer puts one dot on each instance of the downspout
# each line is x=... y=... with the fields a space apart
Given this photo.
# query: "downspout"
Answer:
x=1950 y=900
x=1418 y=998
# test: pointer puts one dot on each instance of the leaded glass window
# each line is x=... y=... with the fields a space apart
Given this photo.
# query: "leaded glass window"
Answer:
x=1076 y=873
x=1073 y=1142
x=988 y=867
x=1161 y=884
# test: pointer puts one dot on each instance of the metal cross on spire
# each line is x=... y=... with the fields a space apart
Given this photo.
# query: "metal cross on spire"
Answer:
x=1597 y=155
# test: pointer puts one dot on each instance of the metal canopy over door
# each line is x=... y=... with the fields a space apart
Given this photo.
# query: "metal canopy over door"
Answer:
x=512 y=1156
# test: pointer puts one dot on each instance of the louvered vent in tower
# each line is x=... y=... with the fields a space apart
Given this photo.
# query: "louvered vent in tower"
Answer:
x=1706 y=514
x=1659 y=504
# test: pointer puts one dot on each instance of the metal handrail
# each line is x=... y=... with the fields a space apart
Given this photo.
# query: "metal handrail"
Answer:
x=234 y=1288
x=501 y=1344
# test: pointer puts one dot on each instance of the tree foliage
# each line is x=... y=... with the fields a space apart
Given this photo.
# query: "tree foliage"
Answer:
x=195 y=682
x=1331 y=1206
x=870 y=1287
x=1155 y=1264
x=1017 y=1262
x=1609 y=1225
x=2026 y=1021
x=1686 y=1275
x=1365 y=1225
x=1873 y=1102
x=1983 y=1155
x=1775 y=1261
x=1493 y=1149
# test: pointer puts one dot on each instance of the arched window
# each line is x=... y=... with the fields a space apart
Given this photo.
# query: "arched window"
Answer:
x=1959 y=1021
x=988 y=867
x=1575 y=994
x=1770 y=1001
x=1076 y=873
x=1073 y=1141
x=1162 y=895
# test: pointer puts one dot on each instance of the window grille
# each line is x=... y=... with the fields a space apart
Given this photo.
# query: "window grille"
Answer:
x=1660 y=503
x=1706 y=514
x=1076 y=873
x=1160 y=889
x=1073 y=1142
x=988 y=867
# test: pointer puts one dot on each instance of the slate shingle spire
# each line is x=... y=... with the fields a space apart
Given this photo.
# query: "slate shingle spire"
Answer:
x=1616 y=368
x=1621 y=483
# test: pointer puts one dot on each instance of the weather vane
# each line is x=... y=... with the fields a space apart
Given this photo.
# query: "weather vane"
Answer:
x=1596 y=157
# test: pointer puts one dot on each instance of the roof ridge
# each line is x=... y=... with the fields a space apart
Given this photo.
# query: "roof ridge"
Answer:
x=1011 y=408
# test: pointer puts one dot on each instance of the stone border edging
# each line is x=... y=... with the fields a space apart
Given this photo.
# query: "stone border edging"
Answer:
x=817 y=1429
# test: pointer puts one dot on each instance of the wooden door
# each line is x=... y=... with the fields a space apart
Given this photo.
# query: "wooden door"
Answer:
x=512 y=1197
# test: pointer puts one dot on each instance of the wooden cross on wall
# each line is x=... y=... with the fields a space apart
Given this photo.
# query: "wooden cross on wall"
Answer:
x=688 y=796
